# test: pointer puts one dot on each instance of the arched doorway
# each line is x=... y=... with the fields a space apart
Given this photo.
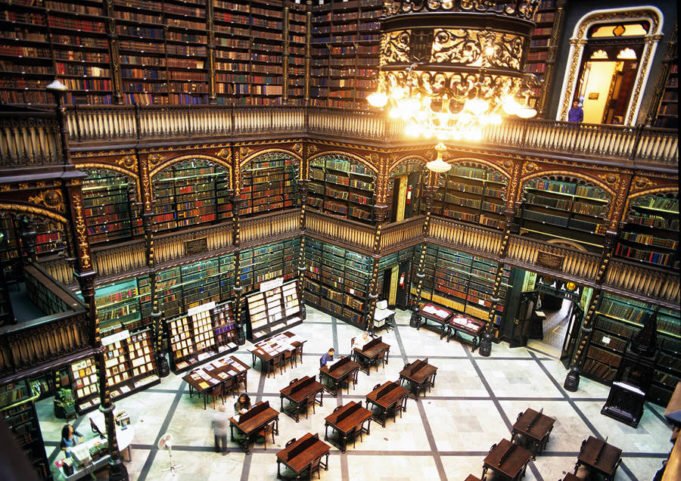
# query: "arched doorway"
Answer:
x=610 y=59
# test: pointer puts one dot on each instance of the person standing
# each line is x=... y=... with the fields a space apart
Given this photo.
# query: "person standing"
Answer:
x=576 y=113
x=220 y=430
x=326 y=357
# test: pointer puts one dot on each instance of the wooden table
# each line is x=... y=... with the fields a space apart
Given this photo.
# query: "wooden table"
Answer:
x=437 y=314
x=535 y=427
x=507 y=460
x=252 y=421
x=302 y=454
x=371 y=353
x=270 y=351
x=225 y=370
x=345 y=369
x=388 y=396
x=348 y=421
x=420 y=375
x=599 y=456
x=301 y=393
x=459 y=323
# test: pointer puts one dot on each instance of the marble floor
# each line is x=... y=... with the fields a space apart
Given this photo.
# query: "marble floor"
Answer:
x=443 y=436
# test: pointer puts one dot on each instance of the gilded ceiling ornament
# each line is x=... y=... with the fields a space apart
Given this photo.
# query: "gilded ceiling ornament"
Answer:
x=154 y=160
x=225 y=154
x=642 y=183
x=298 y=148
x=52 y=199
x=530 y=167
x=245 y=152
x=609 y=178
x=395 y=47
x=312 y=149
x=127 y=162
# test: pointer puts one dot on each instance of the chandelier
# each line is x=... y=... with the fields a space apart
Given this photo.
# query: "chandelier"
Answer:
x=451 y=68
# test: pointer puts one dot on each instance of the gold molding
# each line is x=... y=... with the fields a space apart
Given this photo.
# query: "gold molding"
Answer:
x=50 y=199
x=346 y=154
x=32 y=210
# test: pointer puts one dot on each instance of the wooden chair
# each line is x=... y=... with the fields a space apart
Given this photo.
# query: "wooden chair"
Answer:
x=290 y=441
x=291 y=358
x=217 y=391
x=267 y=430
x=315 y=468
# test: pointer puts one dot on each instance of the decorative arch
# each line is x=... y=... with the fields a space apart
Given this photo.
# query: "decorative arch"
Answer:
x=344 y=154
x=659 y=190
x=491 y=165
x=578 y=42
x=29 y=209
x=408 y=158
x=269 y=151
x=120 y=170
x=175 y=160
x=562 y=173
x=567 y=243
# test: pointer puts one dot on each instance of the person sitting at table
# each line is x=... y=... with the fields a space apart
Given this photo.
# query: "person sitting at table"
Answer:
x=69 y=438
x=327 y=357
x=243 y=404
x=361 y=341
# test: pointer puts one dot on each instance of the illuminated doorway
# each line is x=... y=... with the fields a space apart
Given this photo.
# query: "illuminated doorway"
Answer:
x=610 y=59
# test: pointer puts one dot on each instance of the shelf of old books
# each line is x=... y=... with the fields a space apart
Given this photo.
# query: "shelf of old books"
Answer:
x=200 y=335
x=275 y=308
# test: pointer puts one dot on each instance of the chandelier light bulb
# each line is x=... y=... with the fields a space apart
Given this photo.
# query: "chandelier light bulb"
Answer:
x=476 y=106
x=509 y=104
x=378 y=99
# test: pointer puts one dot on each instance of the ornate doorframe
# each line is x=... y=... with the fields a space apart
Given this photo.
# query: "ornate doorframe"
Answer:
x=579 y=40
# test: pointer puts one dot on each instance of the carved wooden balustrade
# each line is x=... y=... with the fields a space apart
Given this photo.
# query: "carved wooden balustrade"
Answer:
x=644 y=281
x=63 y=332
x=460 y=235
x=29 y=140
x=129 y=256
x=579 y=266
x=332 y=229
x=173 y=245
x=402 y=234
x=270 y=227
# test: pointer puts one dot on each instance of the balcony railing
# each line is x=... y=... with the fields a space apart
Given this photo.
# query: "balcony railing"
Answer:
x=28 y=139
x=350 y=233
x=63 y=331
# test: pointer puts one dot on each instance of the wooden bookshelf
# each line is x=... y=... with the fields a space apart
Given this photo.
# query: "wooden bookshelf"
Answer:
x=269 y=183
x=617 y=320
x=540 y=41
x=463 y=282
x=668 y=110
x=17 y=409
x=111 y=207
x=337 y=281
x=85 y=385
x=650 y=233
x=273 y=310
x=182 y=287
x=189 y=193
x=564 y=209
x=124 y=304
x=342 y=186
x=130 y=363
x=345 y=52
x=268 y=262
x=472 y=193
x=193 y=339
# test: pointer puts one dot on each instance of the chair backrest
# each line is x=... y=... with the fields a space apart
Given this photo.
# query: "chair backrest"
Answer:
x=290 y=441
x=382 y=304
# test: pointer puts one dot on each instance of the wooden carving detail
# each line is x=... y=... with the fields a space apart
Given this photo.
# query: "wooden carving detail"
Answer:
x=51 y=199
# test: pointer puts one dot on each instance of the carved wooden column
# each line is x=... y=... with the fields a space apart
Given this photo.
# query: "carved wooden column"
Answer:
x=210 y=47
x=85 y=274
x=380 y=216
x=285 y=35
x=556 y=33
x=308 y=50
x=616 y=214
x=302 y=266
x=428 y=195
x=114 y=53
x=509 y=213
x=147 y=216
x=236 y=242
